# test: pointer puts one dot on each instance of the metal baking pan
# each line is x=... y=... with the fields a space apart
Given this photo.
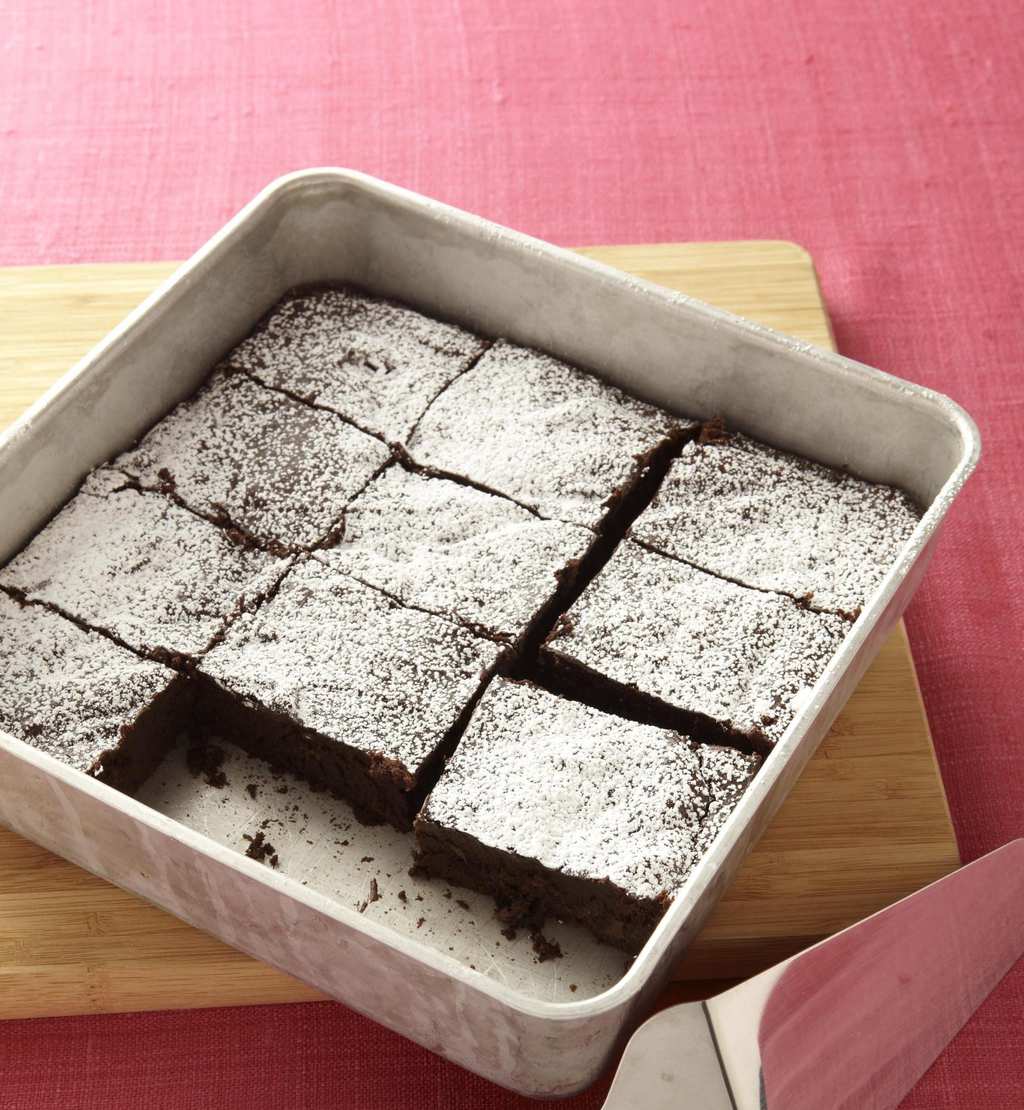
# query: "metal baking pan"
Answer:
x=448 y=984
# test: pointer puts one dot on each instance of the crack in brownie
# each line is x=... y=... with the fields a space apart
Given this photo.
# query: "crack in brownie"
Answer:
x=78 y=696
x=560 y=810
x=771 y=520
x=135 y=565
x=375 y=362
x=461 y=553
x=548 y=435
x=279 y=471
x=343 y=686
x=697 y=653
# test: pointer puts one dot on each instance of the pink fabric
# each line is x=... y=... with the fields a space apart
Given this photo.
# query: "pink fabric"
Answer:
x=888 y=138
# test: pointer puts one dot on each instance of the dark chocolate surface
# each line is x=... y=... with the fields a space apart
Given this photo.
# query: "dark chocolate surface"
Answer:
x=376 y=362
x=578 y=797
x=76 y=695
x=457 y=551
x=278 y=470
x=550 y=436
x=740 y=658
x=768 y=519
x=352 y=668
x=138 y=566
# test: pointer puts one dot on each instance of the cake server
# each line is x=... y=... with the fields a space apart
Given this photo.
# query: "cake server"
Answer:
x=853 y=1022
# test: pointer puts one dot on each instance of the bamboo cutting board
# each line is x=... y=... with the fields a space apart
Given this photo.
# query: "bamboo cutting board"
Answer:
x=866 y=824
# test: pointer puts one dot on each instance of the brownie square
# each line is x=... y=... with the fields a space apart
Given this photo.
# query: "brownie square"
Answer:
x=347 y=688
x=256 y=460
x=153 y=575
x=83 y=699
x=559 y=810
x=548 y=435
x=461 y=553
x=759 y=516
x=375 y=362
x=664 y=641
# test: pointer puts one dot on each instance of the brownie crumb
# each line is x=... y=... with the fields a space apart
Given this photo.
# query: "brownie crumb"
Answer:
x=373 y=896
x=252 y=790
x=461 y=902
x=573 y=987
x=420 y=923
x=509 y=932
x=260 y=849
x=402 y=897
x=713 y=431
x=545 y=948
x=366 y=859
x=521 y=913
x=205 y=761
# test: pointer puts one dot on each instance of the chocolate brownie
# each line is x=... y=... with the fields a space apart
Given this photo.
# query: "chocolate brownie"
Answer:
x=376 y=362
x=759 y=516
x=80 y=697
x=347 y=688
x=659 y=639
x=258 y=461
x=461 y=553
x=559 y=810
x=153 y=575
x=558 y=440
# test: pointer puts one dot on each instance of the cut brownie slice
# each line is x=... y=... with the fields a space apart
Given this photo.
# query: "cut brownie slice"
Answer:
x=557 y=809
x=764 y=518
x=461 y=553
x=348 y=689
x=256 y=460
x=659 y=639
x=78 y=696
x=552 y=437
x=375 y=362
x=139 y=567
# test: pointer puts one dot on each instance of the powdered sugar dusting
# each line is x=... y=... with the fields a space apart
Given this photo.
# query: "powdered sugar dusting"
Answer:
x=540 y=431
x=65 y=691
x=582 y=791
x=136 y=565
x=775 y=521
x=697 y=642
x=353 y=665
x=455 y=550
x=280 y=470
x=376 y=362
x=727 y=773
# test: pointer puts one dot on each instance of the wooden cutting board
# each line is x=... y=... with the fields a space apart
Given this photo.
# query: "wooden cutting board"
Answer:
x=866 y=824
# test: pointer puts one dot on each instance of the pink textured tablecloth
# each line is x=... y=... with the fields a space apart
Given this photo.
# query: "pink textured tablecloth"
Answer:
x=888 y=138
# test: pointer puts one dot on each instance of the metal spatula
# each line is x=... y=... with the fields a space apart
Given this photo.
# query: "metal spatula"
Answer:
x=850 y=1024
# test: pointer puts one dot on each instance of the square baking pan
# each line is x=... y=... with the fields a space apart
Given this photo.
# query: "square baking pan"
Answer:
x=426 y=964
